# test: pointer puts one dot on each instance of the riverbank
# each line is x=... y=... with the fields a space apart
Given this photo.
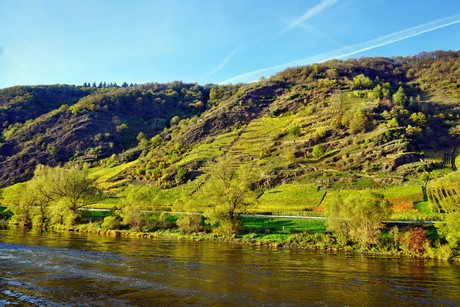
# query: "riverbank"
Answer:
x=317 y=242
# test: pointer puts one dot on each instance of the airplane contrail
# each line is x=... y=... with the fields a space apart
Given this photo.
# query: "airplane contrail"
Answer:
x=225 y=61
x=351 y=50
x=311 y=12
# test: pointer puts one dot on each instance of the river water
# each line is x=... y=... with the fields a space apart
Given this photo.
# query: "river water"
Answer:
x=72 y=269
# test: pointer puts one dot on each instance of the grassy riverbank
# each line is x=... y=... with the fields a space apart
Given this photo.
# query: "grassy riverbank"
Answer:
x=284 y=233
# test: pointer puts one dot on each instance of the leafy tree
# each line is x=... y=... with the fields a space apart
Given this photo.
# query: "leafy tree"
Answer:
x=450 y=229
x=143 y=141
x=359 y=121
x=413 y=241
x=377 y=92
x=317 y=151
x=138 y=207
x=358 y=217
x=175 y=121
x=362 y=82
x=182 y=175
x=22 y=207
x=68 y=190
x=230 y=190
x=400 y=98
x=122 y=127
x=294 y=130
x=418 y=119
x=189 y=215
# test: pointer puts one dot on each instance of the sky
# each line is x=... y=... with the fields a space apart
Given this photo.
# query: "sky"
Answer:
x=208 y=41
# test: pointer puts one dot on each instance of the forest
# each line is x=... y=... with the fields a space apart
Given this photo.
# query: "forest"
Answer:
x=357 y=144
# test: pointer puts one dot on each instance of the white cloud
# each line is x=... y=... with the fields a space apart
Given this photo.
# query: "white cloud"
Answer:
x=351 y=50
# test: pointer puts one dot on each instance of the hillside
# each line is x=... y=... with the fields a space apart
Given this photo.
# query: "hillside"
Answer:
x=66 y=123
x=369 y=122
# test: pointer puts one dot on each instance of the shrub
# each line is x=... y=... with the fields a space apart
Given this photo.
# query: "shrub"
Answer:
x=190 y=223
x=294 y=130
x=111 y=222
x=317 y=151
x=358 y=216
x=413 y=242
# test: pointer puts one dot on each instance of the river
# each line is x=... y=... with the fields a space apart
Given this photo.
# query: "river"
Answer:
x=73 y=269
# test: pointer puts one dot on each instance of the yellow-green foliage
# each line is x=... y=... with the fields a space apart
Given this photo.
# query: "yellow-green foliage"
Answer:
x=212 y=149
x=444 y=193
x=259 y=134
x=400 y=191
x=103 y=175
x=290 y=197
x=11 y=193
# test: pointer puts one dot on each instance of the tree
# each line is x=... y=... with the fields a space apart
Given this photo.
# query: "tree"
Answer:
x=174 y=121
x=182 y=175
x=143 y=141
x=425 y=176
x=68 y=190
x=21 y=206
x=138 y=208
x=362 y=82
x=358 y=217
x=400 y=98
x=317 y=151
x=359 y=121
x=230 y=190
x=450 y=229
x=189 y=216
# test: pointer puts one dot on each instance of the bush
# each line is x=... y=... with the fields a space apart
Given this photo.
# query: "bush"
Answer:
x=413 y=242
x=358 y=217
x=190 y=223
x=111 y=222
x=317 y=151
x=294 y=130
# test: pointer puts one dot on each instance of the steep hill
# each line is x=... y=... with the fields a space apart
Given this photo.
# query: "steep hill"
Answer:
x=87 y=124
x=338 y=124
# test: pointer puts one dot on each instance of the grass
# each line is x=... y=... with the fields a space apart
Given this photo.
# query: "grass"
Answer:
x=280 y=225
x=210 y=150
x=290 y=197
x=400 y=191
x=423 y=207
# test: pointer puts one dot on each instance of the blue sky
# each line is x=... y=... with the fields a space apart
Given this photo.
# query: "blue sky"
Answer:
x=208 y=41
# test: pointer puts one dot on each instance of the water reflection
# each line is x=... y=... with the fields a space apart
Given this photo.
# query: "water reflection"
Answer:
x=75 y=268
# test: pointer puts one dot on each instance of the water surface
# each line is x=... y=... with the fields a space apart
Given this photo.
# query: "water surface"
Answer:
x=56 y=269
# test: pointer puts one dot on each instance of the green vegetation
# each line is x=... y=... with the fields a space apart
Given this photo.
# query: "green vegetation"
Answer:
x=317 y=141
x=358 y=217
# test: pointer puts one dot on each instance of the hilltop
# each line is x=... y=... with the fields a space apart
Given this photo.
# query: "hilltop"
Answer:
x=369 y=122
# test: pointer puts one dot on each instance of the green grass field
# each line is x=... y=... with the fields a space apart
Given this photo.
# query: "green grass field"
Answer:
x=290 y=197
x=281 y=225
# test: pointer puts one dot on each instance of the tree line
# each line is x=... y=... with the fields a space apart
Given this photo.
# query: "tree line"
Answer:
x=355 y=221
x=107 y=85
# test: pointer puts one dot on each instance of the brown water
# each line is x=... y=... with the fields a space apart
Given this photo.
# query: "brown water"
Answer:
x=71 y=269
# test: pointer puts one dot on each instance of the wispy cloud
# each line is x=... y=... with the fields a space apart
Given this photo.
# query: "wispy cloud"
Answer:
x=225 y=61
x=351 y=50
x=310 y=13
